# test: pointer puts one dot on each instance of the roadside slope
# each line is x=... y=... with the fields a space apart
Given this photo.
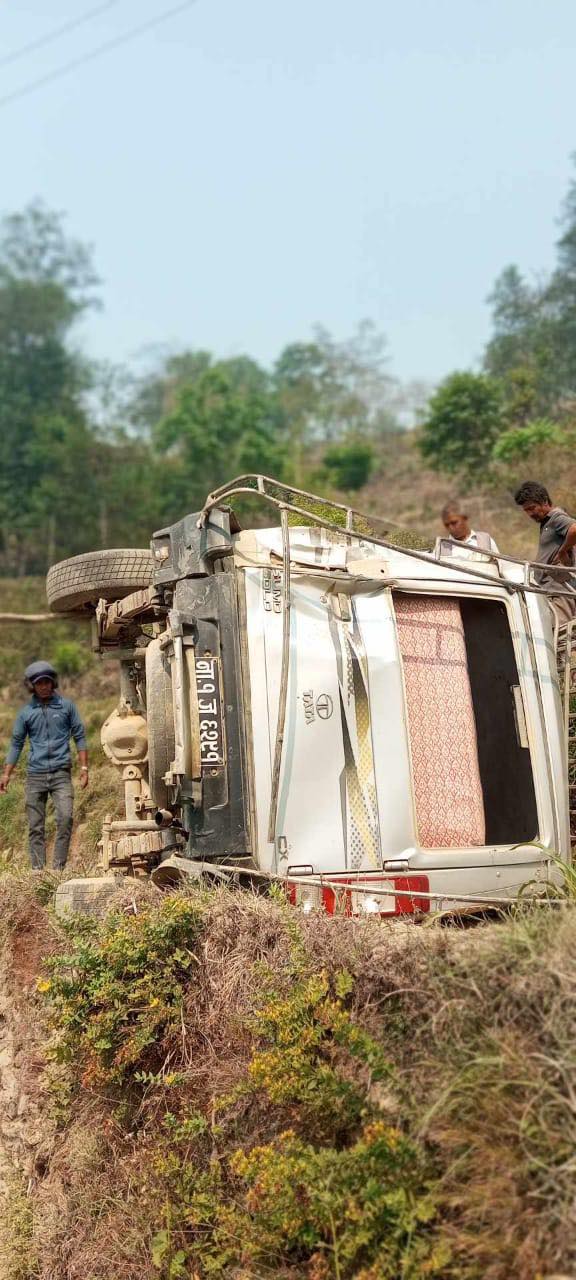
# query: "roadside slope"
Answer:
x=213 y=1085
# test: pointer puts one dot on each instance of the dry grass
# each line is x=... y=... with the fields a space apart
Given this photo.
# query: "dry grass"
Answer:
x=479 y=1025
x=411 y=495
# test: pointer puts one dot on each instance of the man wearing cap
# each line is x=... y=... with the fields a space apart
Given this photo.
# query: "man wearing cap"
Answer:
x=49 y=721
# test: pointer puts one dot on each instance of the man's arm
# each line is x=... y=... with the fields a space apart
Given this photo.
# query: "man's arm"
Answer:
x=78 y=733
x=563 y=555
x=16 y=743
x=83 y=758
x=6 y=776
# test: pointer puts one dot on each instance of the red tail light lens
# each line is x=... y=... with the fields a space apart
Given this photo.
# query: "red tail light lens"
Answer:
x=354 y=898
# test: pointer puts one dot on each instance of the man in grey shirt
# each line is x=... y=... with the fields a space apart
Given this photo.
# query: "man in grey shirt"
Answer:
x=556 y=544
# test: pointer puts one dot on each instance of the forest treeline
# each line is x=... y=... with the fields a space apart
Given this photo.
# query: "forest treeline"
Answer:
x=519 y=411
x=96 y=455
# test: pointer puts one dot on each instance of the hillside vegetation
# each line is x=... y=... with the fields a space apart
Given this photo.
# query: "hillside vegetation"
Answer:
x=410 y=494
x=325 y=414
x=211 y=1084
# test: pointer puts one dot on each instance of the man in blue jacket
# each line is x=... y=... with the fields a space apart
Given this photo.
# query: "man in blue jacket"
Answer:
x=49 y=721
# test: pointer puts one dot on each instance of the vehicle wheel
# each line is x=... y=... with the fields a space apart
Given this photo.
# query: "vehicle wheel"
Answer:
x=160 y=718
x=99 y=575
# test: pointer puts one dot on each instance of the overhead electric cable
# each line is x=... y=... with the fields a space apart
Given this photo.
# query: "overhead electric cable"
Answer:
x=56 y=33
x=93 y=54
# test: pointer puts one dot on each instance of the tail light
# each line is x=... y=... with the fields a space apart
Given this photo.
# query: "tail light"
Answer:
x=349 y=898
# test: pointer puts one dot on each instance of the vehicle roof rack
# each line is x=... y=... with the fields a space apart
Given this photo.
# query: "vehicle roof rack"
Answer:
x=359 y=524
x=282 y=497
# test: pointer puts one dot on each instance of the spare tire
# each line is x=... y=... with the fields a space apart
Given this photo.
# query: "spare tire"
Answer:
x=99 y=575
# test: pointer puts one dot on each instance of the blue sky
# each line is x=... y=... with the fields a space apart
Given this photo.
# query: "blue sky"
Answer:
x=253 y=167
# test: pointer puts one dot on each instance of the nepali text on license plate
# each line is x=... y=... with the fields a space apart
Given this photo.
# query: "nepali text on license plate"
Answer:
x=209 y=711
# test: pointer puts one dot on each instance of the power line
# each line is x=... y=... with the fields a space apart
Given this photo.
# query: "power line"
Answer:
x=93 y=54
x=56 y=33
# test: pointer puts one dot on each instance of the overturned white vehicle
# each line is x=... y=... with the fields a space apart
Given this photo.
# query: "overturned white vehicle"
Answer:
x=379 y=727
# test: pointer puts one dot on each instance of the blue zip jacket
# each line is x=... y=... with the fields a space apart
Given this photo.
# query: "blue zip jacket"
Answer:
x=49 y=726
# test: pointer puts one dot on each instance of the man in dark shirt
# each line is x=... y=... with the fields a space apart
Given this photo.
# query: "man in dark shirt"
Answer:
x=49 y=721
x=556 y=543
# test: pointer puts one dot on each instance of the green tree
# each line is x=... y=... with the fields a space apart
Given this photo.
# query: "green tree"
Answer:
x=156 y=393
x=534 y=325
x=334 y=391
x=464 y=420
x=350 y=465
x=561 y=296
x=219 y=428
x=298 y=378
x=524 y=336
x=46 y=282
x=518 y=443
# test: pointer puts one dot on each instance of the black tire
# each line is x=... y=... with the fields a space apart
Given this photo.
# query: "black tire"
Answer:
x=99 y=575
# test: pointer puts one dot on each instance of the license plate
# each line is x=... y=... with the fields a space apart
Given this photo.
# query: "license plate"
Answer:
x=209 y=711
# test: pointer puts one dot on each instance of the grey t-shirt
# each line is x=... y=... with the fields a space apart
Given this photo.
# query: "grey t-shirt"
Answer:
x=553 y=531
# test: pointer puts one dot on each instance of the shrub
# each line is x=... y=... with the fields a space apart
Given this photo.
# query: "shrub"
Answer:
x=517 y=443
x=359 y=1207
x=350 y=466
x=320 y=1182
x=467 y=1142
x=463 y=422
x=70 y=658
x=298 y=1035
x=120 y=987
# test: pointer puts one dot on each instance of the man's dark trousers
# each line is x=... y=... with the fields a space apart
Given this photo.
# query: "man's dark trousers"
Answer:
x=38 y=787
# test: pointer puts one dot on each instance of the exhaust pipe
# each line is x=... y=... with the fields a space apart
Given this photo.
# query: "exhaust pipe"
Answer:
x=163 y=818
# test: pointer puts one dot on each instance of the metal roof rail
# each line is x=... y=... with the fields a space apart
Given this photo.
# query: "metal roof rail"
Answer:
x=281 y=496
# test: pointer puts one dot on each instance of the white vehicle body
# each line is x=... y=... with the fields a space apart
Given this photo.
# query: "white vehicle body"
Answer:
x=346 y=802
x=380 y=727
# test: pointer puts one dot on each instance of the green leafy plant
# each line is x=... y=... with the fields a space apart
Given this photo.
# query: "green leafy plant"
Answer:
x=171 y=1264
x=298 y=1036
x=465 y=418
x=327 y=1186
x=518 y=443
x=350 y=465
x=70 y=659
x=120 y=987
x=339 y=1210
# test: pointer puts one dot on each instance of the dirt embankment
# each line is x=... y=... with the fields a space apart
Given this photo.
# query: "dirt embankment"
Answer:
x=212 y=1085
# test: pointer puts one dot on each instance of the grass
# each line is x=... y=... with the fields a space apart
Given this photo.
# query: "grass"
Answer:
x=222 y=1087
x=407 y=494
x=298 y=1096
x=18 y=1258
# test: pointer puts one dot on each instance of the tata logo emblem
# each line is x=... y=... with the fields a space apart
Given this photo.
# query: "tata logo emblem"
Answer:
x=324 y=706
